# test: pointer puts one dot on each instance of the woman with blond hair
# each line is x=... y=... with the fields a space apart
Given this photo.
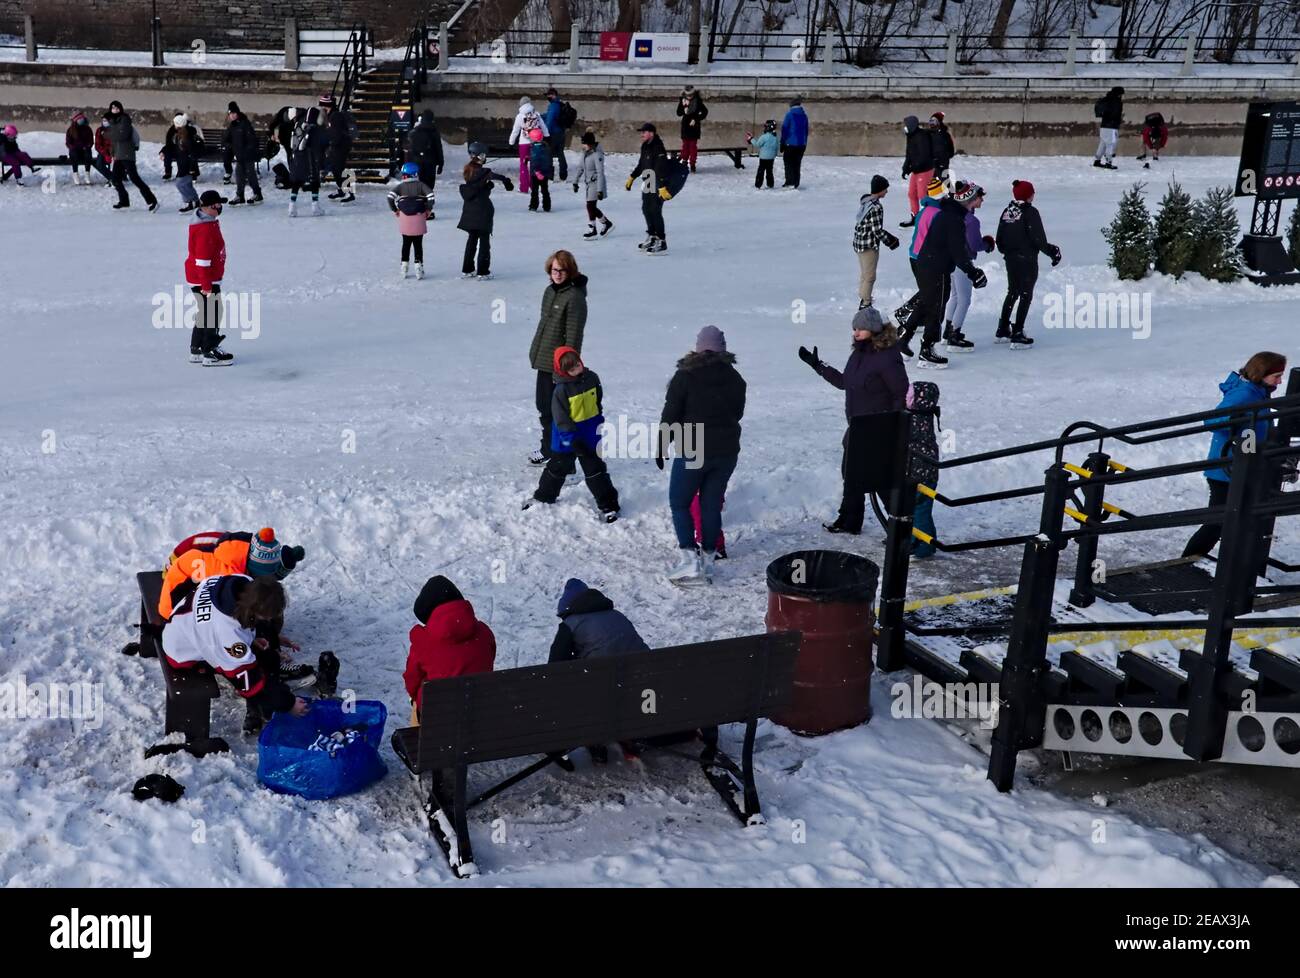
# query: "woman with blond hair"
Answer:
x=1254 y=382
x=563 y=318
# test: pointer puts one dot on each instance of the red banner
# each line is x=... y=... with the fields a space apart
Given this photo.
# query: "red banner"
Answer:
x=614 y=45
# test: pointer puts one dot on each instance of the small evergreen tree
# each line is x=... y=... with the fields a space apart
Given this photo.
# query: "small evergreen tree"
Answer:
x=1175 y=235
x=1293 y=237
x=1130 y=236
x=1218 y=255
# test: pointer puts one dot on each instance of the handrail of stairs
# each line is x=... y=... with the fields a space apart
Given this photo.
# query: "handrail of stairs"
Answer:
x=351 y=67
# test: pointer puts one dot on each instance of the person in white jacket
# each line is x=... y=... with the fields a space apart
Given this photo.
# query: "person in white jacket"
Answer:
x=591 y=176
x=526 y=120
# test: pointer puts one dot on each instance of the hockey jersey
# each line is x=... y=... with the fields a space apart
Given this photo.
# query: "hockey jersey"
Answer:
x=204 y=629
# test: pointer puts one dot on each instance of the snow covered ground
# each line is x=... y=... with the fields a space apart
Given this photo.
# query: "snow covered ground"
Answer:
x=112 y=448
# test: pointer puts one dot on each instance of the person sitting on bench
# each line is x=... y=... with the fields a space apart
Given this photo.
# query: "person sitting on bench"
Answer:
x=217 y=624
x=590 y=627
x=209 y=554
x=448 y=641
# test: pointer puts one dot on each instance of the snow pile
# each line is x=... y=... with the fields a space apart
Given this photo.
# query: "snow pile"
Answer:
x=113 y=448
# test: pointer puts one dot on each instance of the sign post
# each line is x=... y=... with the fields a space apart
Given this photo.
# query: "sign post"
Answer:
x=1269 y=171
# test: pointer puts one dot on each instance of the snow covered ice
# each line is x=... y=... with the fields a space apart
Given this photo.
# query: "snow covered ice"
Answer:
x=114 y=448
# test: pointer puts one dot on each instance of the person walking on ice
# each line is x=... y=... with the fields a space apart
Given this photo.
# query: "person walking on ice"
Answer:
x=205 y=265
x=651 y=168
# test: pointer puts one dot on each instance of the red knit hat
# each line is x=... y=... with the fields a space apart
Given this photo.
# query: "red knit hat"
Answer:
x=1022 y=190
x=559 y=354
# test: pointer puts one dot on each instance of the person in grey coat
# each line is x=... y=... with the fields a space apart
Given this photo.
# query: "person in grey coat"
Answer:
x=126 y=142
x=591 y=177
x=590 y=628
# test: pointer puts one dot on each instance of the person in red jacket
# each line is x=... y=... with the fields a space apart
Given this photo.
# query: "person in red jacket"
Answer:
x=80 y=141
x=103 y=161
x=1154 y=136
x=449 y=641
x=204 y=267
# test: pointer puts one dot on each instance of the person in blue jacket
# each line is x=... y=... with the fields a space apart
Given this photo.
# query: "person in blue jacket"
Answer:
x=556 y=127
x=1254 y=382
x=794 y=140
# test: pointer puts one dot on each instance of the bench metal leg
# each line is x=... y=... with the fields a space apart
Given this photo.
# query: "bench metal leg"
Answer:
x=734 y=783
x=735 y=158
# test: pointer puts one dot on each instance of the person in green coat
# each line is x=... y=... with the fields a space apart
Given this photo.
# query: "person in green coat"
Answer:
x=563 y=318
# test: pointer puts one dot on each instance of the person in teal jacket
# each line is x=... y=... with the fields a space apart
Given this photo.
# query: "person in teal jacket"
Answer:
x=1254 y=382
x=766 y=145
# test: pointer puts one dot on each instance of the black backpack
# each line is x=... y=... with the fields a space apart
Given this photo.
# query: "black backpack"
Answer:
x=675 y=174
x=1099 y=107
x=568 y=115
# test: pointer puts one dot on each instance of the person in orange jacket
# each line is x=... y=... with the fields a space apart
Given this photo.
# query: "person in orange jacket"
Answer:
x=205 y=265
x=205 y=555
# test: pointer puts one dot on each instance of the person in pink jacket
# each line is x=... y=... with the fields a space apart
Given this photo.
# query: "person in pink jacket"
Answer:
x=411 y=202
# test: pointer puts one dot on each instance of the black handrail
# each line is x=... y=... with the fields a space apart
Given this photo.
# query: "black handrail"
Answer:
x=351 y=67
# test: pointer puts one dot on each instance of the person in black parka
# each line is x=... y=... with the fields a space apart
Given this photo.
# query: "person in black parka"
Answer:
x=1021 y=239
x=476 y=214
x=874 y=382
x=424 y=148
x=241 y=138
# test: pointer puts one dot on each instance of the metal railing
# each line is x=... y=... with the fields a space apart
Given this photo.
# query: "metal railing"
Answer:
x=1246 y=518
x=352 y=66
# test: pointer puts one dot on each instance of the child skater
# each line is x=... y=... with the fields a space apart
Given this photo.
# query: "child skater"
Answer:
x=476 y=213
x=80 y=140
x=591 y=175
x=412 y=203
x=448 y=641
x=765 y=144
x=543 y=169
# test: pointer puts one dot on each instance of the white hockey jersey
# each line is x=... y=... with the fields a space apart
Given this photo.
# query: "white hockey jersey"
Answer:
x=204 y=629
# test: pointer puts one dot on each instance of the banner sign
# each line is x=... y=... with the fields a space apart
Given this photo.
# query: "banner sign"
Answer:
x=644 y=48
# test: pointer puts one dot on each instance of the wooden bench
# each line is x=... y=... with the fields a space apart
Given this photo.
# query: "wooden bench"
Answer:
x=190 y=691
x=735 y=153
x=497 y=142
x=554 y=709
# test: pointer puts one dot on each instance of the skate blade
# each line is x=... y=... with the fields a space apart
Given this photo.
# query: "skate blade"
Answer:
x=958 y=349
x=1022 y=346
x=927 y=365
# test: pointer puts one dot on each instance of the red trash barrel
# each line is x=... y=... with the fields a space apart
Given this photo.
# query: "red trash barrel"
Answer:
x=829 y=596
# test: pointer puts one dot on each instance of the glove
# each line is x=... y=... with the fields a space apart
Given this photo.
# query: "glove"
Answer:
x=979 y=279
x=628 y=185
x=663 y=192
x=600 y=195
x=749 y=137
x=509 y=185
x=809 y=358
x=989 y=242
x=904 y=173
x=781 y=147
x=1056 y=256
x=575 y=186
x=891 y=242
x=659 y=462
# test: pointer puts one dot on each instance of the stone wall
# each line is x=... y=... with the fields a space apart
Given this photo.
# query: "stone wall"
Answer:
x=242 y=23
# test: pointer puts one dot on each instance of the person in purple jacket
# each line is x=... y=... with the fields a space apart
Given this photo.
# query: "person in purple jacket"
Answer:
x=875 y=383
x=961 y=288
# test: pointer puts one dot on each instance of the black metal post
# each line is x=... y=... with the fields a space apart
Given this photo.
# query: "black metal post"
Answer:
x=891 y=640
x=1230 y=596
x=1021 y=705
x=1084 y=591
x=155 y=37
x=713 y=27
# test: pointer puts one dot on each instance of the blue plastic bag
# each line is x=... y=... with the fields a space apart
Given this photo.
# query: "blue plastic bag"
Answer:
x=324 y=754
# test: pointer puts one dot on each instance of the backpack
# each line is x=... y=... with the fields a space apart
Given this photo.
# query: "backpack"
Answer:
x=675 y=174
x=1099 y=107
x=568 y=116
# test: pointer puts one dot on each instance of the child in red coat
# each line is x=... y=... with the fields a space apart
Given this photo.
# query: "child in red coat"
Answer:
x=1155 y=134
x=449 y=641
x=205 y=266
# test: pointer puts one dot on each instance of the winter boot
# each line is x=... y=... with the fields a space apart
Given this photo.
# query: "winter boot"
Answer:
x=689 y=571
x=590 y=232
x=419 y=269
x=1019 y=341
x=932 y=358
x=405 y=268
x=327 y=674
x=606 y=226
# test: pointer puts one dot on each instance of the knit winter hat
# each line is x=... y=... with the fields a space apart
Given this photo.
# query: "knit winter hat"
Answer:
x=796 y=101
x=572 y=588
x=524 y=100
x=78 y=118
x=647 y=127
x=263 y=553
x=937 y=115
x=967 y=192
x=560 y=352
x=588 y=138
x=1022 y=190
x=232 y=107
x=879 y=183
x=867 y=318
x=436 y=591
x=11 y=131
x=711 y=340
x=551 y=91
x=936 y=188
x=327 y=100
x=180 y=120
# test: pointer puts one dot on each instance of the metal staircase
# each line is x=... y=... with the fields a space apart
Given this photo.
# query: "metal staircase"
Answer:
x=371 y=103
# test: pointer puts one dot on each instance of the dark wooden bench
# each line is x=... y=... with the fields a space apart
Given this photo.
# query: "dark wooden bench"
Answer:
x=189 y=692
x=497 y=142
x=553 y=709
x=735 y=153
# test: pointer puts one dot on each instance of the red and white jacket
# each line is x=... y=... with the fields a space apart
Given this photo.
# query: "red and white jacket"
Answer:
x=206 y=263
x=204 y=629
